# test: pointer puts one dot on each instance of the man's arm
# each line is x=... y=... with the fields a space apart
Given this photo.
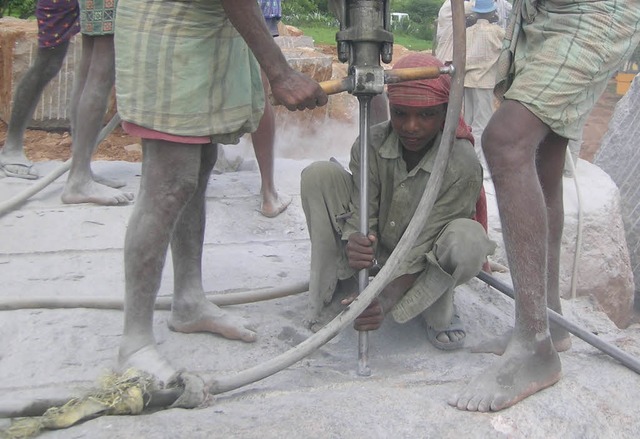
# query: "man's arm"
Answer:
x=293 y=89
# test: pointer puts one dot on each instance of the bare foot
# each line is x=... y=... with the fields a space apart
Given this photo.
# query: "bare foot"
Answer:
x=497 y=267
x=207 y=317
x=93 y=192
x=146 y=359
x=111 y=182
x=497 y=345
x=522 y=371
x=274 y=204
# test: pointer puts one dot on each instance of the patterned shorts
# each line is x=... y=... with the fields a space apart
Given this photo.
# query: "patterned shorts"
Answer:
x=57 y=21
x=97 y=16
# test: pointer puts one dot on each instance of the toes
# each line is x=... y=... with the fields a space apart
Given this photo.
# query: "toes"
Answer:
x=499 y=403
x=485 y=405
x=474 y=403
x=248 y=336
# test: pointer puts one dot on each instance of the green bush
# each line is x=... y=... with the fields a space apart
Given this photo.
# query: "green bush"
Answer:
x=422 y=15
x=420 y=11
x=298 y=7
x=17 y=8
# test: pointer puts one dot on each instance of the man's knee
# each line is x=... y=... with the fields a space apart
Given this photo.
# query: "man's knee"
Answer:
x=462 y=248
x=170 y=171
x=48 y=61
x=318 y=176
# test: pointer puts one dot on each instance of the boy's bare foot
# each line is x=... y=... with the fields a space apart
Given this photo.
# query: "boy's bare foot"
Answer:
x=524 y=369
x=207 y=317
x=274 y=204
x=93 y=192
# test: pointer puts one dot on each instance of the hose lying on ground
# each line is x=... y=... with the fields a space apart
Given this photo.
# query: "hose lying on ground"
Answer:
x=162 y=303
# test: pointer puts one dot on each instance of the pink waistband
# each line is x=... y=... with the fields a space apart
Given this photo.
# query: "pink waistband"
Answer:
x=147 y=133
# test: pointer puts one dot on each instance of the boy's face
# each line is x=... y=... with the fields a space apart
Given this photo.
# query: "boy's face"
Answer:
x=417 y=126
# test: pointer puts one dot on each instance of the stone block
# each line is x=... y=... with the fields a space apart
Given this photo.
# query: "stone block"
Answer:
x=619 y=156
x=18 y=47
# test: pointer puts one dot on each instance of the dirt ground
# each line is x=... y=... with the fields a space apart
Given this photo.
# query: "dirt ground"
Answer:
x=44 y=146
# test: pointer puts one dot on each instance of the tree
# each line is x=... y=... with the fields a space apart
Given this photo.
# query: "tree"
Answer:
x=17 y=8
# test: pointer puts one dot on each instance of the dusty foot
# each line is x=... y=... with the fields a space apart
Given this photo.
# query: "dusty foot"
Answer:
x=17 y=165
x=449 y=338
x=111 y=182
x=149 y=360
x=207 y=317
x=520 y=372
x=497 y=267
x=497 y=345
x=93 y=192
x=274 y=204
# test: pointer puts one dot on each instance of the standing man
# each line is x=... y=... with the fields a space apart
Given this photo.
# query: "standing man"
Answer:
x=205 y=89
x=565 y=54
x=91 y=88
x=449 y=251
x=263 y=139
x=57 y=24
x=444 y=31
x=484 y=41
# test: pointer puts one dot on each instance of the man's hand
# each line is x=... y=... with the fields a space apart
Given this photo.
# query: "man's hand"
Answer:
x=297 y=91
x=360 y=250
x=289 y=87
x=371 y=318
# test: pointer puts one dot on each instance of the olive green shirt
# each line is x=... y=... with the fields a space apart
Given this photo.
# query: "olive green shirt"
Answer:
x=394 y=194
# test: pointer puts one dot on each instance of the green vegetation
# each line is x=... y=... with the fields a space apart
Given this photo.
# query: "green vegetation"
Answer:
x=315 y=20
x=17 y=8
x=327 y=36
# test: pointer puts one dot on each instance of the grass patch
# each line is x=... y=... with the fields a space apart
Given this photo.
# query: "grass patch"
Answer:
x=327 y=35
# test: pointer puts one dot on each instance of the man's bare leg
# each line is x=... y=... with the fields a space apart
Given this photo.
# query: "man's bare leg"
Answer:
x=191 y=311
x=273 y=204
x=548 y=158
x=95 y=81
x=530 y=362
x=172 y=180
x=550 y=165
x=169 y=180
x=45 y=67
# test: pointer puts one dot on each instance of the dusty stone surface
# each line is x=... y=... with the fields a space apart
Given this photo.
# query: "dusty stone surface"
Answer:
x=51 y=249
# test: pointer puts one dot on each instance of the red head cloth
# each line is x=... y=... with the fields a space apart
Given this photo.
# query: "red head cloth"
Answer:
x=424 y=92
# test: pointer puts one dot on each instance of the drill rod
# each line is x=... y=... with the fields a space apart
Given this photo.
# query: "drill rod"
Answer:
x=363 y=275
